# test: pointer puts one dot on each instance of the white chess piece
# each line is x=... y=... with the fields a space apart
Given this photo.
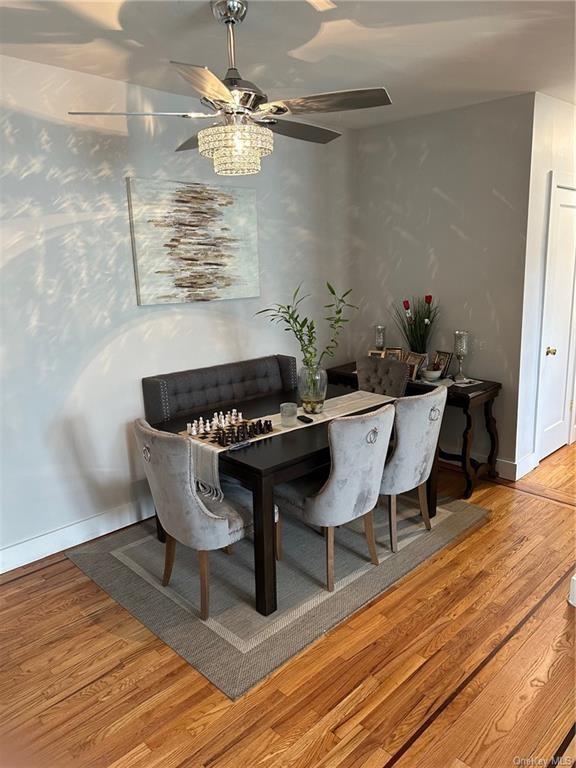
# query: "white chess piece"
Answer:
x=201 y=428
x=240 y=416
x=215 y=422
x=189 y=428
x=194 y=431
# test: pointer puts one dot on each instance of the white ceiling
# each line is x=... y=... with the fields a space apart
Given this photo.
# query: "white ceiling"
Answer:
x=430 y=55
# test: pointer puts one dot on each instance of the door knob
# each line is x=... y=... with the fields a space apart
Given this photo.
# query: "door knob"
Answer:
x=551 y=350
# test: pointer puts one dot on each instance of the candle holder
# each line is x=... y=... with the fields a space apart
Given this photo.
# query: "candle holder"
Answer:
x=380 y=337
x=461 y=339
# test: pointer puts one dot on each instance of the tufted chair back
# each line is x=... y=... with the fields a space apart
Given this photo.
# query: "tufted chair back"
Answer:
x=167 y=461
x=383 y=375
x=417 y=427
x=358 y=447
x=172 y=395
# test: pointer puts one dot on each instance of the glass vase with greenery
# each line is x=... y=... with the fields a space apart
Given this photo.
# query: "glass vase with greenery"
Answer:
x=312 y=378
x=415 y=321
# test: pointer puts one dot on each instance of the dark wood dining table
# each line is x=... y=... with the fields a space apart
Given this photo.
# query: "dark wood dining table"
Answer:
x=266 y=463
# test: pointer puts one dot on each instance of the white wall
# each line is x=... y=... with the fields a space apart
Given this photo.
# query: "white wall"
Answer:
x=553 y=149
x=74 y=343
x=441 y=207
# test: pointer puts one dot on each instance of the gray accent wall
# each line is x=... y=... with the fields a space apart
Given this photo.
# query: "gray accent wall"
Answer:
x=440 y=206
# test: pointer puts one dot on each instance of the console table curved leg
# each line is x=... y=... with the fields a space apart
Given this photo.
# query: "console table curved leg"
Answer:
x=492 y=429
x=467 y=466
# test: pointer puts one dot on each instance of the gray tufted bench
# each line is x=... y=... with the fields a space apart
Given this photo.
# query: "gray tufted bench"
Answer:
x=385 y=376
x=172 y=395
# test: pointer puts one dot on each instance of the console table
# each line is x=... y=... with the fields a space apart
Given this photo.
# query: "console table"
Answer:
x=467 y=399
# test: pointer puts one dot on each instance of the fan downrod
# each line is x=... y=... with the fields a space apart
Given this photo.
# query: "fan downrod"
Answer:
x=229 y=11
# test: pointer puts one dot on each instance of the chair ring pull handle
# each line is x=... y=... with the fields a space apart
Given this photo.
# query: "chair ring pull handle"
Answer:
x=434 y=414
x=372 y=436
x=146 y=453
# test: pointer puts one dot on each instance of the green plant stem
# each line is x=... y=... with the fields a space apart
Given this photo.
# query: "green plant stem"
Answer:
x=304 y=329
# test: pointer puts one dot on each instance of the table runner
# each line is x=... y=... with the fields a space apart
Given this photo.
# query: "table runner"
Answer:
x=205 y=455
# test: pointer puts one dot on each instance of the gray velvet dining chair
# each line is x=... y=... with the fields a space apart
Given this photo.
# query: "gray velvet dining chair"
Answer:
x=417 y=429
x=195 y=521
x=383 y=375
x=358 y=446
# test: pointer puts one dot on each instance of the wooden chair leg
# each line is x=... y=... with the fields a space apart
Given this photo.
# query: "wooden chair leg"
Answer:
x=204 y=590
x=169 y=553
x=423 y=499
x=370 y=538
x=329 y=533
x=228 y=549
x=278 y=538
x=393 y=524
x=160 y=532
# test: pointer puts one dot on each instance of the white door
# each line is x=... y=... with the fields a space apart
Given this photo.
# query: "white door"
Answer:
x=556 y=390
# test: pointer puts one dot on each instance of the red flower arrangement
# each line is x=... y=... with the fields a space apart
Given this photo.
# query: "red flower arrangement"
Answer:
x=416 y=321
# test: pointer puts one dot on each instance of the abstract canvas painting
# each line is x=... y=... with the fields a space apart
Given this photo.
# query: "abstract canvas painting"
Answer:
x=192 y=242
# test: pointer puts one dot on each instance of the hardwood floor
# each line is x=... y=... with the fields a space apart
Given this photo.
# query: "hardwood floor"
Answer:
x=555 y=478
x=466 y=663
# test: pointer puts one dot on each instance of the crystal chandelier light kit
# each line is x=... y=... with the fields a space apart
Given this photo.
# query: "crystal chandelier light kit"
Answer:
x=236 y=149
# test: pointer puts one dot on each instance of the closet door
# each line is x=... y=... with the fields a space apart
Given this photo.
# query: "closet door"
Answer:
x=556 y=388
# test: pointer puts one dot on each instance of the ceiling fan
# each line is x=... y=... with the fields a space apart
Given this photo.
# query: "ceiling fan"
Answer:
x=246 y=118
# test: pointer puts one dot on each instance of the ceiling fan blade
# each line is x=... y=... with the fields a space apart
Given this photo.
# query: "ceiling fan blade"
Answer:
x=204 y=82
x=190 y=115
x=303 y=131
x=338 y=101
x=191 y=143
x=322 y=5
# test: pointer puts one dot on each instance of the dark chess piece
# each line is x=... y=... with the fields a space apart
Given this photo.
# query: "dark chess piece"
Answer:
x=259 y=427
x=251 y=431
x=268 y=426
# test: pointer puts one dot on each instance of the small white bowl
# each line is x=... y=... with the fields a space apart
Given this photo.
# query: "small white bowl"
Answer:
x=428 y=375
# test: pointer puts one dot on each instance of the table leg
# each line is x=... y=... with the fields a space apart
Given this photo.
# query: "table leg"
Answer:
x=467 y=466
x=490 y=422
x=432 y=485
x=264 y=559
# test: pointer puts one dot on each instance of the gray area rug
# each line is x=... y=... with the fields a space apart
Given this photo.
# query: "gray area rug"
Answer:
x=237 y=647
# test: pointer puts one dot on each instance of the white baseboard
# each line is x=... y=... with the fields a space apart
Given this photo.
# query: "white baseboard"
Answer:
x=510 y=470
x=526 y=464
x=24 y=552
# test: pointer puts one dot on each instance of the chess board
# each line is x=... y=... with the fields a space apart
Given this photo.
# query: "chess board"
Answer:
x=228 y=429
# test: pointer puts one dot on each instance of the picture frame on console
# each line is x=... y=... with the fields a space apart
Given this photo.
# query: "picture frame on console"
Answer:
x=442 y=359
x=396 y=353
x=415 y=360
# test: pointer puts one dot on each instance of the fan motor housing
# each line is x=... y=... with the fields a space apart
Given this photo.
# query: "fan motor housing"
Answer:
x=250 y=96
